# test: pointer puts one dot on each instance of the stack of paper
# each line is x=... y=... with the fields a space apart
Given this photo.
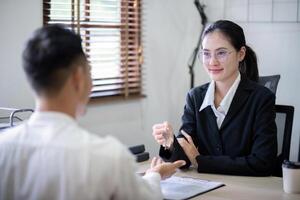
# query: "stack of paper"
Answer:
x=178 y=188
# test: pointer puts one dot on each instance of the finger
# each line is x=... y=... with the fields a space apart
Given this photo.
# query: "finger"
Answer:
x=153 y=162
x=159 y=137
x=162 y=161
x=183 y=143
x=179 y=163
x=180 y=141
x=167 y=130
x=161 y=142
x=158 y=126
x=159 y=161
x=187 y=136
x=158 y=132
x=168 y=125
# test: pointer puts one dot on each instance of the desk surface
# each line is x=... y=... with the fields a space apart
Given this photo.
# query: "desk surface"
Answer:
x=239 y=187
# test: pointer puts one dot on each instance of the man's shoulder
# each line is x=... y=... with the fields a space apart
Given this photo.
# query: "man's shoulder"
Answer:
x=94 y=138
x=107 y=149
x=11 y=134
x=107 y=144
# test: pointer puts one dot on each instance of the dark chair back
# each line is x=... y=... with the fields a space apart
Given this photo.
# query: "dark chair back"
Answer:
x=270 y=82
x=284 y=122
x=299 y=153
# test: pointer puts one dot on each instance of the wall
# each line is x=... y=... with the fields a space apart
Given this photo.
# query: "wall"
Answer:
x=166 y=50
x=171 y=29
x=17 y=19
x=278 y=47
x=166 y=47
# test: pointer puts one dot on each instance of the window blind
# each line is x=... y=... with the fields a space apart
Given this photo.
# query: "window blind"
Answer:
x=111 y=35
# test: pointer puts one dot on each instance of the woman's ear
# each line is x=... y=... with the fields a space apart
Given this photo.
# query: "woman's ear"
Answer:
x=242 y=53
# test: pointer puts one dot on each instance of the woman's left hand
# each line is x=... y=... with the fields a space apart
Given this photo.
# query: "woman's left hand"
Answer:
x=189 y=147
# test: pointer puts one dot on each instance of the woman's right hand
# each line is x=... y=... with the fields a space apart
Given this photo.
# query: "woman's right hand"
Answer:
x=163 y=134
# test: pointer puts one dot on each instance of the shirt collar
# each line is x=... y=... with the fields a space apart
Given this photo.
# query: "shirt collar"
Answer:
x=226 y=101
x=50 y=117
x=209 y=96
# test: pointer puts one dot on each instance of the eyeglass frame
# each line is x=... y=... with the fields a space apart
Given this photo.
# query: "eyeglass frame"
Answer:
x=221 y=59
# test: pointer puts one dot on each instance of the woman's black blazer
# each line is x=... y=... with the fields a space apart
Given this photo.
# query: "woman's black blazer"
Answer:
x=245 y=144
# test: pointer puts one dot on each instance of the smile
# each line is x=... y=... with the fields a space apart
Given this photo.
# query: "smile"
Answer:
x=215 y=70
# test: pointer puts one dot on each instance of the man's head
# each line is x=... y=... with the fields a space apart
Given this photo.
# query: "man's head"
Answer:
x=55 y=64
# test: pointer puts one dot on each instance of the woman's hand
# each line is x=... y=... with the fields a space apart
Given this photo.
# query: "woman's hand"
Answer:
x=163 y=134
x=189 y=147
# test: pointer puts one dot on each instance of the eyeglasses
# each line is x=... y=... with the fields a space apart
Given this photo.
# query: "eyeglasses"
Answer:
x=220 y=55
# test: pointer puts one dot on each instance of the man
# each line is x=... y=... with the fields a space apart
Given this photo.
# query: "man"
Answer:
x=50 y=156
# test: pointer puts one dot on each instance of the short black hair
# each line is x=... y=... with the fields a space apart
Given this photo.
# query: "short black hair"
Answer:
x=49 y=56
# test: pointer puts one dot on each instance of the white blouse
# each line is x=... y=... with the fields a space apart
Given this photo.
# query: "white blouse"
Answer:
x=223 y=108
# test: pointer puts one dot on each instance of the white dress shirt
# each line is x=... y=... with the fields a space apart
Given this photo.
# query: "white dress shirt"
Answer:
x=223 y=108
x=51 y=157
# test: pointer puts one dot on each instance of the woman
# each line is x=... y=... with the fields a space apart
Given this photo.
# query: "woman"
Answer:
x=228 y=125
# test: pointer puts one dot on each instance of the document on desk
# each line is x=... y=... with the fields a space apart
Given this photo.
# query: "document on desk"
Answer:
x=179 y=188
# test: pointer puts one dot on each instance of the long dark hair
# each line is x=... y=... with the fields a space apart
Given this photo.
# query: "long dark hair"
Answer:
x=235 y=34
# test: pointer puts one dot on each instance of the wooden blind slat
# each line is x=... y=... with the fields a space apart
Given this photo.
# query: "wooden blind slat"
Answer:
x=115 y=87
x=111 y=36
x=114 y=81
x=115 y=93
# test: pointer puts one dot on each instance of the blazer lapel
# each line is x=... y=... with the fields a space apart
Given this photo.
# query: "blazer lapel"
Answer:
x=238 y=101
x=212 y=121
x=212 y=125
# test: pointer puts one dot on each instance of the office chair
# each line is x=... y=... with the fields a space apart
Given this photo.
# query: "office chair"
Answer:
x=270 y=82
x=284 y=123
x=299 y=153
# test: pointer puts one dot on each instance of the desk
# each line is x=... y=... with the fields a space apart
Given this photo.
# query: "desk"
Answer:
x=238 y=187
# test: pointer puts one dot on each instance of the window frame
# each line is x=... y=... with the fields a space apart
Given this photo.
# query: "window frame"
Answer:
x=129 y=83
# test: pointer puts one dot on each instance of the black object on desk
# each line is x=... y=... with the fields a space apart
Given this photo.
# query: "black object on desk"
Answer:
x=137 y=149
x=141 y=157
x=139 y=152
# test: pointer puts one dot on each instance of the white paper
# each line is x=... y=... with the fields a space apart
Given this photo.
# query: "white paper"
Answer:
x=178 y=188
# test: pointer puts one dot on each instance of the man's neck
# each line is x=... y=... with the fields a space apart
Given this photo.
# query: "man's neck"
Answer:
x=56 y=104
